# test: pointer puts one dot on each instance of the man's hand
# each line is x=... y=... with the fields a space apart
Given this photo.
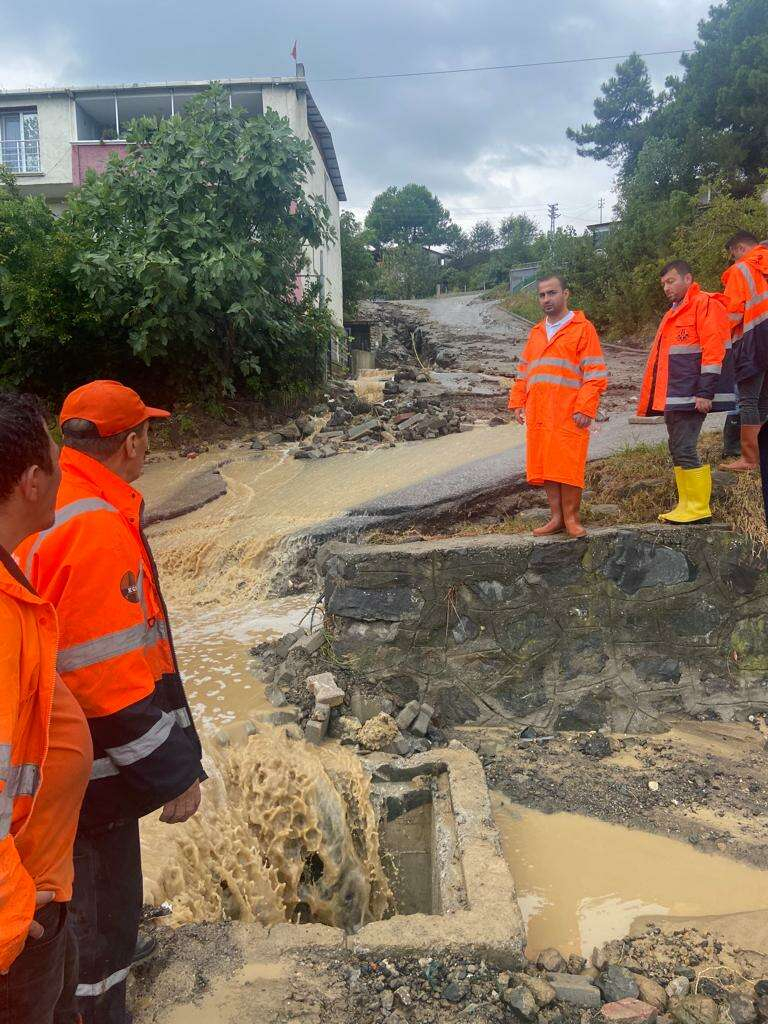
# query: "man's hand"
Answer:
x=183 y=806
x=519 y=415
x=35 y=930
x=581 y=420
x=703 y=404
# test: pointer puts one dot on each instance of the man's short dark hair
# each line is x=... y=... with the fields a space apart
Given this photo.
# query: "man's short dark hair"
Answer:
x=741 y=238
x=83 y=436
x=681 y=266
x=24 y=441
x=552 y=277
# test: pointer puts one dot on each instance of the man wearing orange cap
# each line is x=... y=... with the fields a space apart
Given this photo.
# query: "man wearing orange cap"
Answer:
x=116 y=655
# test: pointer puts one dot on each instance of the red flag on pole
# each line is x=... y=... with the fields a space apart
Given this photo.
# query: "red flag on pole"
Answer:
x=295 y=50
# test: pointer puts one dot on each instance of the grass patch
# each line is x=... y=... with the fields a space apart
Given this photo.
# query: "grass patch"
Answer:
x=525 y=304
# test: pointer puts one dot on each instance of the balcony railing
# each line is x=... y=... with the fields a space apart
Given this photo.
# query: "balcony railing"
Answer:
x=21 y=157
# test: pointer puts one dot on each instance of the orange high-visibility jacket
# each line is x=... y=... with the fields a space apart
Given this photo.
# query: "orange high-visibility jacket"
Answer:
x=115 y=652
x=27 y=678
x=690 y=357
x=556 y=379
x=746 y=291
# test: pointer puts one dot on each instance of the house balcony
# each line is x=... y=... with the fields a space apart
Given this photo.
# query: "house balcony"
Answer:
x=92 y=156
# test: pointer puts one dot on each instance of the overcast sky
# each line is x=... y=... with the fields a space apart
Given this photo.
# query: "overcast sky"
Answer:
x=487 y=143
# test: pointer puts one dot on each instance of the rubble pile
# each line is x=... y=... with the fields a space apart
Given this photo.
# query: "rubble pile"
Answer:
x=325 y=700
x=682 y=978
x=346 y=423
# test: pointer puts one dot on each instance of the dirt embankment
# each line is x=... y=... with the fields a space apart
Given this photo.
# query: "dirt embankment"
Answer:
x=704 y=782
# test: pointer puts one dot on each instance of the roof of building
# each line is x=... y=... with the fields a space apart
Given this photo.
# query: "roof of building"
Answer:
x=317 y=124
x=604 y=225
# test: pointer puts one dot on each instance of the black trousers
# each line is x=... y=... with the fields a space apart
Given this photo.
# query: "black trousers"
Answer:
x=683 y=429
x=43 y=976
x=106 y=907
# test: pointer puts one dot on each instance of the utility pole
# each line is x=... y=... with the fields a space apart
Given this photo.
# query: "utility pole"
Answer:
x=600 y=205
x=553 y=216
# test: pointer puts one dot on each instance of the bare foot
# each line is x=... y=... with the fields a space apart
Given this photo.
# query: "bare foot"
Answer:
x=553 y=526
x=739 y=466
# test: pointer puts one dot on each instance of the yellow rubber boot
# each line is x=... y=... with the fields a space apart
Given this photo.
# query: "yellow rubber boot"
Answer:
x=697 y=487
x=682 y=503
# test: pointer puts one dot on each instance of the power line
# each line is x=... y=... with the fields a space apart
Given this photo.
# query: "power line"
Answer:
x=502 y=67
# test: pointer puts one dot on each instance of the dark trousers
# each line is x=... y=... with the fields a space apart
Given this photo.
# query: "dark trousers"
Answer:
x=44 y=974
x=753 y=400
x=683 y=429
x=106 y=907
x=732 y=436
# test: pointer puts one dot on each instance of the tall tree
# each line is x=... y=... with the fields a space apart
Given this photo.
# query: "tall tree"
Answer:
x=517 y=233
x=408 y=216
x=627 y=100
x=483 y=237
x=358 y=269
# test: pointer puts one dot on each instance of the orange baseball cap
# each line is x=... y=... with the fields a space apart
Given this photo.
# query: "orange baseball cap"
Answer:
x=111 y=406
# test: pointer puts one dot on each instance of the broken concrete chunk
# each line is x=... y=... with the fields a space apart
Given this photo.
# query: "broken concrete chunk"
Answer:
x=573 y=989
x=408 y=715
x=285 y=643
x=314 y=732
x=324 y=689
x=311 y=642
x=630 y=1011
x=423 y=720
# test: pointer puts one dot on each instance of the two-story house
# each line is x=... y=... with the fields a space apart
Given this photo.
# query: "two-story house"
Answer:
x=49 y=138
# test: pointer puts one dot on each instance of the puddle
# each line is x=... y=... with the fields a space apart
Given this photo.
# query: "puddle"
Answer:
x=213 y=650
x=581 y=882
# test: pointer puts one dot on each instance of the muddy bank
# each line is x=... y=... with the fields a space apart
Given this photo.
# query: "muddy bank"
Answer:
x=704 y=783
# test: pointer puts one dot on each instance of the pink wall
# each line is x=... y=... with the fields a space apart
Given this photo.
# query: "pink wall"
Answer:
x=92 y=156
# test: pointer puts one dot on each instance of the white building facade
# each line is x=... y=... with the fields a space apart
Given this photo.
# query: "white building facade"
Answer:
x=50 y=138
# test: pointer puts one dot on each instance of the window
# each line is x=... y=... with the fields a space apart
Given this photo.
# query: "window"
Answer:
x=20 y=141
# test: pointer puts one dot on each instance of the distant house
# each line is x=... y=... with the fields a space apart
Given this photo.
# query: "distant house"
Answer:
x=601 y=231
x=49 y=138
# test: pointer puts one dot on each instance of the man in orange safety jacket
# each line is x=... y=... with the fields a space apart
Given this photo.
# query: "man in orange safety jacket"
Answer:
x=45 y=747
x=689 y=373
x=116 y=655
x=745 y=287
x=561 y=376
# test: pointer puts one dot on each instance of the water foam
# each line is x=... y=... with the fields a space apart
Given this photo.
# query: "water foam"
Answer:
x=287 y=832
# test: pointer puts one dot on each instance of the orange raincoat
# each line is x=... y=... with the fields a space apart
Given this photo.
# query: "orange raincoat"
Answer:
x=557 y=378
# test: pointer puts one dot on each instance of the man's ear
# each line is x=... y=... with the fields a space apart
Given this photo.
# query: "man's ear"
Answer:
x=29 y=483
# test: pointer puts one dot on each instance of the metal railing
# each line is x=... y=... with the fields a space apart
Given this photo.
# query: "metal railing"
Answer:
x=20 y=157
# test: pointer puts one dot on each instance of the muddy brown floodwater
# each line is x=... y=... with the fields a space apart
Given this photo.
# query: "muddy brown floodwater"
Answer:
x=582 y=882
x=213 y=648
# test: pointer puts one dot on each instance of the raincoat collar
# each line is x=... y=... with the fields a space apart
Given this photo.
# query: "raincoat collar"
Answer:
x=13 y=581
x=102 y=481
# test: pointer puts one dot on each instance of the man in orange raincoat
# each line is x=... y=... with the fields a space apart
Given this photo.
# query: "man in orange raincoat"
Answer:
x=745 y=286
x=561 y=376
x=689 y=373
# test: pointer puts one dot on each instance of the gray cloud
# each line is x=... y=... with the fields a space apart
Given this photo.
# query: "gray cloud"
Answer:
x=487 y=143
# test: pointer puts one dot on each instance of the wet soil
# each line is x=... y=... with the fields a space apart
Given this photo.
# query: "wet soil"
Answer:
x=703 y=782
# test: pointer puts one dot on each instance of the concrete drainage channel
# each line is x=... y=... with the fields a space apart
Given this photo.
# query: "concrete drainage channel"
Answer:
x=443 y=854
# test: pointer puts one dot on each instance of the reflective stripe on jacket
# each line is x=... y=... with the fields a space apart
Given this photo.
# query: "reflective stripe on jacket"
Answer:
x=27 y=678
x=556 y=378
x=690 y=357
x=746 y=291
x=116 y=652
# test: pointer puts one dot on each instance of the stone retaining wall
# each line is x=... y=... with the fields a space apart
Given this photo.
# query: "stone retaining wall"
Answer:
x=630 y=627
